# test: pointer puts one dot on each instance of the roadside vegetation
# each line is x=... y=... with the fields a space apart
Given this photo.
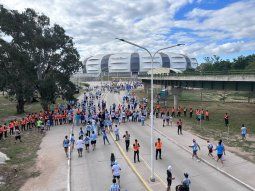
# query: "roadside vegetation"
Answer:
x=21 y=165
x=218 y=103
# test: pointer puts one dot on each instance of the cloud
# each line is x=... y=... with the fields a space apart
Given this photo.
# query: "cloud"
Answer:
x=95 y=24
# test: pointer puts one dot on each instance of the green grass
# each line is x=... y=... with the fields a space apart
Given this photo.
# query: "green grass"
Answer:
x=22 y=156
x=236 y=105
x=8 y=108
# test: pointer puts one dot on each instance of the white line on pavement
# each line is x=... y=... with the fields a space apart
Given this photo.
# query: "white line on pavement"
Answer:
x=205 y=161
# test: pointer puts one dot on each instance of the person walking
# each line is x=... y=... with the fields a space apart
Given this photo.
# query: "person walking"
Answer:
x=112 y=159
x=114 y=186
x=72 y=140
x=86 y=142
x=179 y=126
x=88 y=128
x=116 y=171
x=195 y=148
x=127 y=140
x=186 y=182
x=136 y=148
x=93 y=139
x=117 y=133
x=66 y=145
x=17 y=135
x=243 y=132
x=80 y=145
x=169 y=177
x=105 y=138
x=142 y=119
x=81 y=132
x=220 y=151
x=210 y=148
x=158 y=146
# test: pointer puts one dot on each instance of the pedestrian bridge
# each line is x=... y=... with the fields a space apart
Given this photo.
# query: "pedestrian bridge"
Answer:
x=236 y=81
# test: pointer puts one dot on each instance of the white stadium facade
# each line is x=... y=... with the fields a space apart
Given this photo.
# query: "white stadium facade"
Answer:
x=135 y=63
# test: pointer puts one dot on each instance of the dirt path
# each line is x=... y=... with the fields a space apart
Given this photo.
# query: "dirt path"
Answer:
x=51 y=163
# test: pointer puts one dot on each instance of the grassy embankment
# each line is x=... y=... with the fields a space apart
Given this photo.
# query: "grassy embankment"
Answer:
x=236 y=104
x=21 y=165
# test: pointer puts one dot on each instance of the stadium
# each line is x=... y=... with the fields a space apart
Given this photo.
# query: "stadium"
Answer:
x=136 y=63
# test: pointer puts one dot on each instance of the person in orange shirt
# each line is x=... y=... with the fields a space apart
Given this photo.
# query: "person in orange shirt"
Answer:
x=23 y=124
x=16 y=124
x=56 y=118
x=28 y=121
x=1 y=132
x=158 y=146
x=136 y=148
x=33 y=120
x=11 y=127
x=5 y=130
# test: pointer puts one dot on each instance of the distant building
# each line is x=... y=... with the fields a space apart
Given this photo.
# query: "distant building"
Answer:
x=135 y=63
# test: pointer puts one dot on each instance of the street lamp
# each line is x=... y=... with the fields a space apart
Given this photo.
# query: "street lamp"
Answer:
x=152 y=178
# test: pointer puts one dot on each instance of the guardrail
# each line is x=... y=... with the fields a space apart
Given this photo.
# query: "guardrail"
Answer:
x=198 y=73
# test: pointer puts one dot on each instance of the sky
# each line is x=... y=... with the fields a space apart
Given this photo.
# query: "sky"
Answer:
x=207 y=27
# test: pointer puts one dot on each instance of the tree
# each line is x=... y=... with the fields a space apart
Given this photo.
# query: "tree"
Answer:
x=251 y=66
x=15 y=67
x=49 y=54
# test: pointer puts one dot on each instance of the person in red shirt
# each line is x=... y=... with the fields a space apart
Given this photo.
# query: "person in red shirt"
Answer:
x=23 y=124
x=5 y=130
x=1 y=132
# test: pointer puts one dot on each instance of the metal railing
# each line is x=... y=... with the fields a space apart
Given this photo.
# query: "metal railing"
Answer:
x=207 y=73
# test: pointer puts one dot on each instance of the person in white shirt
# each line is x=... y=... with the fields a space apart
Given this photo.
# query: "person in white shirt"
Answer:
x=114 y=186
x=79 y=146
x=116 y=171
x=116 y=132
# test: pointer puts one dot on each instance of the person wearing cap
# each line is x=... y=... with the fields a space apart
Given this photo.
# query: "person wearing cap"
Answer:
x=116 y=171
x=195 y=148
x=169 y=177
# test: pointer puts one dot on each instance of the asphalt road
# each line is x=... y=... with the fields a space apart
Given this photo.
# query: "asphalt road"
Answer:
x=203 y=177
x=92 y=172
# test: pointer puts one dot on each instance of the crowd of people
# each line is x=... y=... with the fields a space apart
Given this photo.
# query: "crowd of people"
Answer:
x=58 y=114
x=96 y=117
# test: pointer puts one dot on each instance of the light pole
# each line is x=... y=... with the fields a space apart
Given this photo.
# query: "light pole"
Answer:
x=152 y=178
